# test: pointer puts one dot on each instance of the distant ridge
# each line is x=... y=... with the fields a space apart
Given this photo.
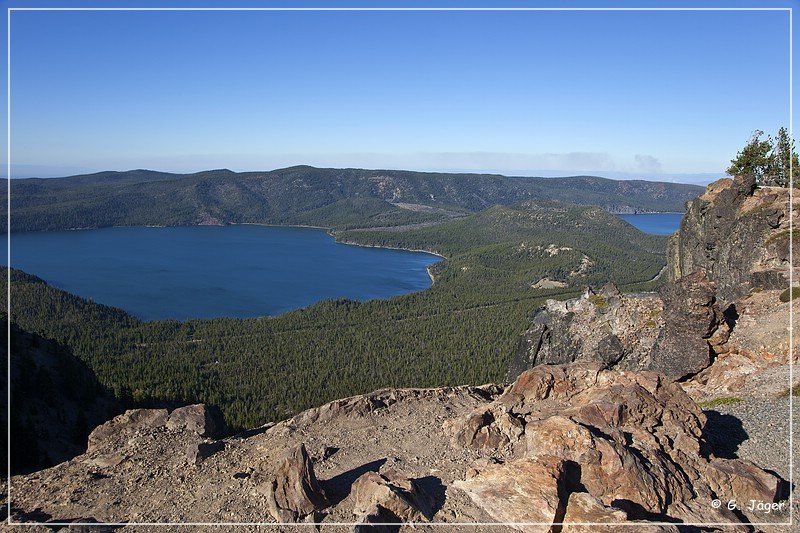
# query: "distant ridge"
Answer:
x=339 y=198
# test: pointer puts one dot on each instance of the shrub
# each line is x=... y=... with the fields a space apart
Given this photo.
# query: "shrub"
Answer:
x=724 y=400
x=795 y=292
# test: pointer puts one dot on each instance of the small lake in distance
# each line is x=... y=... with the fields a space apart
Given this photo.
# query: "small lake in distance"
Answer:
x=655 y=223
x=210 y=271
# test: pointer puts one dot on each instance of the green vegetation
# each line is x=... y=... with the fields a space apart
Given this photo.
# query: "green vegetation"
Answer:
x=786 y=295
x=598 y=301
x=769 y=161
x=462 y=330
x=334 y=198
x=717 y=402
x=794 y=391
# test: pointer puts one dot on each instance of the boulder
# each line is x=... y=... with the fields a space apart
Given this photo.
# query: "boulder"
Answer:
x=691 y=317
x=584 y=508
x=742 y=481
x=528 y=494
x=127 y=422
x=390 y=497
x=293 y=492
x=205 y=420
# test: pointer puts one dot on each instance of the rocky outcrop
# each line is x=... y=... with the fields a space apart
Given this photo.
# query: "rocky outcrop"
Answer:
x=293 y=492
x=691 y=318
x=619 y=330
x=523 y=491
x=738 y=234
x=570 y=443
x=205 y=420
x=389 y=498
x=633 y=440
x=712 y=323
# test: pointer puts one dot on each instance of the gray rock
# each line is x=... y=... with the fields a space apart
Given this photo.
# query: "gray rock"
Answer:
x=205 y=420
x=731 y=232
x=606 y=326
x=691 y=316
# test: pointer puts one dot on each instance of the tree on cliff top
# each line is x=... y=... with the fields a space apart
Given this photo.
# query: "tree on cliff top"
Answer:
x=784 y=159
x=770 y=162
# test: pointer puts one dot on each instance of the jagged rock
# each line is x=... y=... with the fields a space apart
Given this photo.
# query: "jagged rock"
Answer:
x=520 y=491
x=127 y=422
x=633 y=440
x=733 y=232
x=389 y=495
x=293 y=491
x=618 y=330
x=691 y=318
x=197 y=452
x=205 y=420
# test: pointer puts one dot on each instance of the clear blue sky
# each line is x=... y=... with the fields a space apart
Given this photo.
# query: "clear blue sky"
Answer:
x=648 y=93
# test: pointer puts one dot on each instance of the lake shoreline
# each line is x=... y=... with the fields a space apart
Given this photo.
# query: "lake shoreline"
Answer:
x=386 y=273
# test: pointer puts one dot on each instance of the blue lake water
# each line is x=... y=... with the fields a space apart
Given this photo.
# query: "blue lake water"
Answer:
x=206 y=271
x=656 y=223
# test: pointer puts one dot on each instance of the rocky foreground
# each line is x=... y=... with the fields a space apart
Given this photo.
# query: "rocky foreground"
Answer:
x=659 y=412
x=564 y=444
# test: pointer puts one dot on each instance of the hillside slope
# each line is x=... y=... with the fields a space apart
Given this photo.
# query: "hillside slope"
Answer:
x=300 y=195
x=55 y=401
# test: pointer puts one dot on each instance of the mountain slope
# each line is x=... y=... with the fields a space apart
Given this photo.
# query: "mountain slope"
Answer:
x=301 y=194
x=55 y=401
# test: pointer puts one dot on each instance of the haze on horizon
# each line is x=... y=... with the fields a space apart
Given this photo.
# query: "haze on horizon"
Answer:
x=652 y=95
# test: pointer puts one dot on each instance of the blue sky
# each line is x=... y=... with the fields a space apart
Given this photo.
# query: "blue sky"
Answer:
x=624 y=94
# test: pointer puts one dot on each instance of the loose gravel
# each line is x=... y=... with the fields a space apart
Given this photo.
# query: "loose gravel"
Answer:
x=757 y=429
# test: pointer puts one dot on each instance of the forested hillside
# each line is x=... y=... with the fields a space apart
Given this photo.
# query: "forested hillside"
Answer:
x=462 y=330
x=337 y=198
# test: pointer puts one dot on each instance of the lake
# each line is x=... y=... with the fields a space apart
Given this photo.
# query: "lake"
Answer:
x=656 y=223
x=209 y=271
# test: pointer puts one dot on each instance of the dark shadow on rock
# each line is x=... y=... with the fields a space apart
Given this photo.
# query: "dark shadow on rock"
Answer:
x=432 y=486
x=784 y=487
x=338 y=487
x=724 y=433
x=636 y=512
x=246 y=434
x=384 y=521
x=37 y=515
x=731 y=315
x=572 y=479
